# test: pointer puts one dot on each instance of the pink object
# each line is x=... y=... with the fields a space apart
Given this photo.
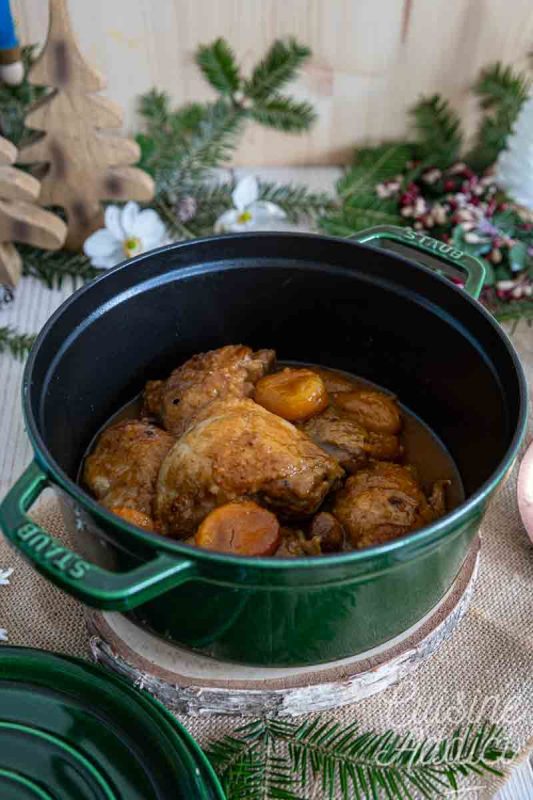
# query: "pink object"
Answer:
x=524 y=490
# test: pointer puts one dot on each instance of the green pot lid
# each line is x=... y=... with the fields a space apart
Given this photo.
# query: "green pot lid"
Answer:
x=69 y=730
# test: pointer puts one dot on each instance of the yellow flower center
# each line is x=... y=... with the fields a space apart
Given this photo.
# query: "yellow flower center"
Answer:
x=132 y=246
x=244 y=216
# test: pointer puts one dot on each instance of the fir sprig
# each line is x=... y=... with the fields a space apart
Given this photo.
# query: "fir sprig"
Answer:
x=217 y=62
x=362 y=211
x=18 y=344
x=183 y=148
x=279 y=759
x=297 y=201
x=373 y=165
x=15 y=101
x=501 y=92
x=439 y=131
x=53 y=268
x=259 y=97
x=360 y=206
x=278 y=67
x=283 y=113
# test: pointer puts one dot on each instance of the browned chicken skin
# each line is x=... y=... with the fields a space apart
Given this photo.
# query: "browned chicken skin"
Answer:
x=230 y=372
x=236 y=449
x=348 y=441
x=384 y=501
x=122 y=470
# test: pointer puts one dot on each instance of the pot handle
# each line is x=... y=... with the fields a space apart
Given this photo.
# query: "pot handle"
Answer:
x=473 y=267
x=94 y=586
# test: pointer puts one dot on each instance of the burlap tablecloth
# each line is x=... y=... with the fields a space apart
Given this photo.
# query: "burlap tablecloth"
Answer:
x=485 y=671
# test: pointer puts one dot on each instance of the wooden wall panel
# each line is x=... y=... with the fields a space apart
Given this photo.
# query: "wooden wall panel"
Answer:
x=371 y=58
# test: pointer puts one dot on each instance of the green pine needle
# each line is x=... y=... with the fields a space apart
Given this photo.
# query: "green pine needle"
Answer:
x=218 y=65
x=181 y=148
x=16 y=100
x=439 y=131
x=499 y=86
x=501 y=92
x=514 y=311
x=362 y=211
x=283 y=113
x=53 y=267
x=18 y=344
x=279 y=759
x=211 y=200
x=373 y=165
x=297 y=201
x=279 y=66
x=154 y=107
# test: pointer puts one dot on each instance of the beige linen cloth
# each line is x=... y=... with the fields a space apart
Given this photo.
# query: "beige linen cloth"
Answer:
x=484 y=671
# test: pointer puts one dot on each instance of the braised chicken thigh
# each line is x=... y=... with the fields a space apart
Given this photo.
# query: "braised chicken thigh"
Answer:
x=384 y=501
x=236 y=449
x=228 y=373
x=122 y=471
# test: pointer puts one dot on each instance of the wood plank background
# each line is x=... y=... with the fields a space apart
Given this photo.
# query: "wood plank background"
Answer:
x=371 y=58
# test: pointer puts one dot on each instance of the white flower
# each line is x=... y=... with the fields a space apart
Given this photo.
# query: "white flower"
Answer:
x=4 y=576
x=4 y=581
x=248 y=212
x=127 y=233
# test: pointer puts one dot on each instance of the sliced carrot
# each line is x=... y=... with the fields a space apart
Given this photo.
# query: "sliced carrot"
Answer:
x=138 y=518
x=241 y=528
x=294 y=394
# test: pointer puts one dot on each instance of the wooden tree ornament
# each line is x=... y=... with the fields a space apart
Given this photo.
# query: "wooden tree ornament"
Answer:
x=81 y=166
x=21 y=220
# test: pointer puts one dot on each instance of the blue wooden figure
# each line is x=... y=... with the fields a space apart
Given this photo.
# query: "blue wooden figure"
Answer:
x=11 y=67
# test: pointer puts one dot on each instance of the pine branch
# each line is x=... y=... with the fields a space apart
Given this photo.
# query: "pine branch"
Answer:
x=184 y=160
x=154 y=107
x=297 y=201
x=18 y=344
x=249 y=766
x=439 y=131
x=276 y=69
x=373 y=165
x=213 y=141
x=501 y=92
x=272 y=756
x=211 y=200
x=218 y=65
x=181 y=148
x=16 y=100
x=53 y=267
x=499 y=86
x=513 y=311
x=283 y=113
x=362 y=211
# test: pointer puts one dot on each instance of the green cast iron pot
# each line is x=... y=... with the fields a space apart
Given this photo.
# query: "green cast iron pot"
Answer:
x=367 y=310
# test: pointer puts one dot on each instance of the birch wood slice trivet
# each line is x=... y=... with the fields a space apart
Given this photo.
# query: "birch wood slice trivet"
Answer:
x=191 y=683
